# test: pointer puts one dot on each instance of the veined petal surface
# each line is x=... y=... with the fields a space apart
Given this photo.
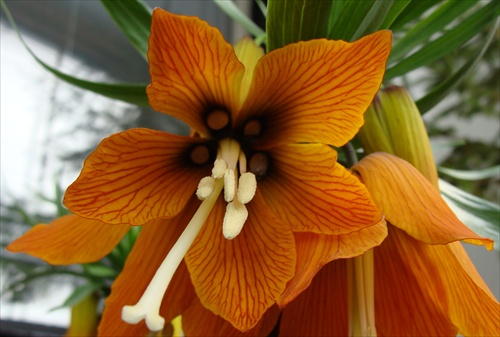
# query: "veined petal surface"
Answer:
x=309 y=190
x=240 y=279
x=316 y=250
x=70 y=239
x=136 y=176
x=192 y=69
x=316 y=91
x=411 y=203
x=150 y=249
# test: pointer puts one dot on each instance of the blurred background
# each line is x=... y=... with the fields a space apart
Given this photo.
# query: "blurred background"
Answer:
x=48 y=127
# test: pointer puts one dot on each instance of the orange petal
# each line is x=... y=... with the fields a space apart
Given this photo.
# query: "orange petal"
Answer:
x=411 y=203
x=136 y=176
x=321 y=310
x=311 y=192
x=403 y=303
x=199 y=321
x=152 y=246
x=240 y=279
x=318 y=90
x=432 y=276
x=192 y=69
x=316 y=250
x=70 y=239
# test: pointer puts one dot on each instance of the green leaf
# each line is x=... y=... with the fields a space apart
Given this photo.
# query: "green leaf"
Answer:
x=439 y=92
x=447 y=42
x=79 y=294
x=396 y=10
x=335 y=13
x=296 y=20
x=412 y=12
x=480 y=215
x=237 y=15
x=100 y=271
x=350 y=19
x=490 y=172
x=134 y=19
x=428 y=26
x=374 y=19
x=130 y=93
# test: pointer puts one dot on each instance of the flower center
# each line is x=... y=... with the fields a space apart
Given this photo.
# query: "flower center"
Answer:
x=217 y=119
x=229 y=165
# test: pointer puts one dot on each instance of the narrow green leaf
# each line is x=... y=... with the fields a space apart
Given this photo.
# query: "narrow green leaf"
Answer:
x=480 y=215
x=131 y=93
x=352 y=15
x=424 y=29
x=412 y=12
x=296 y=20
x=134 y=19
x=79 y=294
x=438 y=93
x=374 y=19
x=396 y=10
x=99 y=271
x=237 y=15
x=490 y=172
x=447 y=42
x=335 y=13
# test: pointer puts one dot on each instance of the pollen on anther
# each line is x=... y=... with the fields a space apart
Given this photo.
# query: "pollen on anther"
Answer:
x=234 y=219
x=247 y=187
x=220 y=167
x=205 y=188
x=229 y=185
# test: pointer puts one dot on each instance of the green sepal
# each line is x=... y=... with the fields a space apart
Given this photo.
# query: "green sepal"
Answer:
x=134 y=19
x=291 y=21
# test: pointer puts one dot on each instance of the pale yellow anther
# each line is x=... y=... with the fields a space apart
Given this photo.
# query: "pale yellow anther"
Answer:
x=205 y=188
x=234 y=219
x=247 y=187
x=220 y=167
x=229 y=185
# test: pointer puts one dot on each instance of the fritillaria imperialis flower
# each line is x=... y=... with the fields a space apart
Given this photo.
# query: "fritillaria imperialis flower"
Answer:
x=258 y=167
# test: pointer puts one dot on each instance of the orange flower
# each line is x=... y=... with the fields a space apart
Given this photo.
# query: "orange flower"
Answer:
x=261 y=125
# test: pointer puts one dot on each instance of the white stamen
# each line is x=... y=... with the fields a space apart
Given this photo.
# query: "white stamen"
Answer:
x=229 y=185
x=220 y=167
x=234 y=219
x=247 y=187
x=148 y=306
x=242 y=161
x=205 y=188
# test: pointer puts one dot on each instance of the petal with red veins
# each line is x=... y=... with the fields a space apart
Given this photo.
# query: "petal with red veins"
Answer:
x=136 y=176
x=70 y=239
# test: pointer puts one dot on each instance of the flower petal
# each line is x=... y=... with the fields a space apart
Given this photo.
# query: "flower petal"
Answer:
x=199 y=321
x=70 y=239
x=192 y=69
x=316 y=250
x=136 y=176
x=151 y=247
x=249 y=53
x=316 y=91
x=403 y=302
x=311 y=192
x=411 y=203
x=433 y=276
x=240 y=279
x=321 y=310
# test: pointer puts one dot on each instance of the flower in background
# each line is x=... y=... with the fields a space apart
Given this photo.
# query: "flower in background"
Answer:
x=260 y=161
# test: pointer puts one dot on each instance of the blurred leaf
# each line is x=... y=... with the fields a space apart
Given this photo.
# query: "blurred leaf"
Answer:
x=79 y=294
x=490 y=172
x=425 y=28
x=373 y=19
x=262 y=6
x=335 y=13
x=237 y=15
x=446 y=43
x=130 y=93
x=99 y=271
x=134 y=19
x=439 y=92
x=396 y=10
x=412 y=12
x=351 y=17
x=296 y=20
x=480 y=215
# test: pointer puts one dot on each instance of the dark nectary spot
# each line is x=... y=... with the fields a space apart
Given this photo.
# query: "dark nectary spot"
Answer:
x=217 y=119
x=200 y=154
x=252 y=128
x=259 y=164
